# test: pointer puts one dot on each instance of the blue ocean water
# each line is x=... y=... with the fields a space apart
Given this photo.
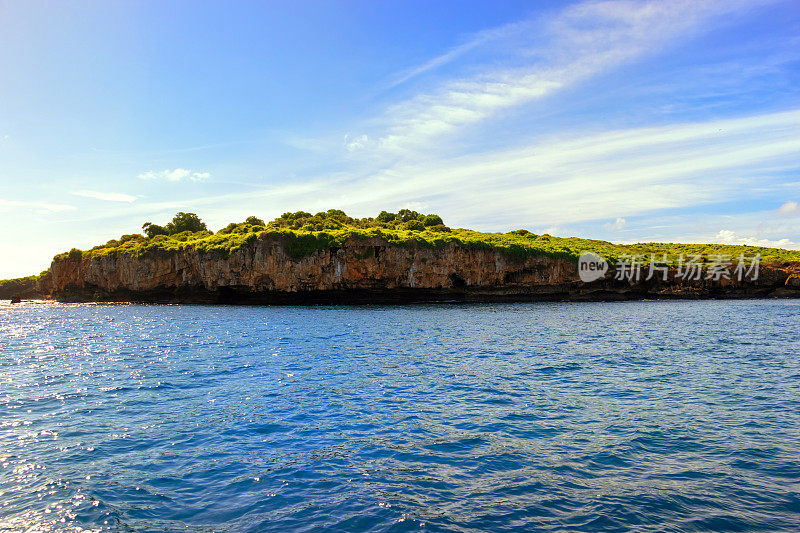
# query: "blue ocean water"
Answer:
x=643 y=416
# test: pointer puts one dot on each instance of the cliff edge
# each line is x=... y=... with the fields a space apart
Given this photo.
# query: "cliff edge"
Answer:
x=406 y=256
x=374 y=270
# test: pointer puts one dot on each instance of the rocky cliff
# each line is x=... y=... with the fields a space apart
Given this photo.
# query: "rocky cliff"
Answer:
x=371 y=270
x=21 y=288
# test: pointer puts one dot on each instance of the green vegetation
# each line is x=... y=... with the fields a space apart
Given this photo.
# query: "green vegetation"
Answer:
x=27 y=280
x=305 y=233
x=11 y=287
x=181 y=223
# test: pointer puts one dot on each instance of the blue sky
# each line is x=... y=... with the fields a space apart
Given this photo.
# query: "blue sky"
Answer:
x=620 y=120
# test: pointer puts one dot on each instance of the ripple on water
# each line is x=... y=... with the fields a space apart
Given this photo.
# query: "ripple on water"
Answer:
x=651 y=416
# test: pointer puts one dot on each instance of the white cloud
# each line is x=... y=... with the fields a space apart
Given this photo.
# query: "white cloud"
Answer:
x=789 y=208
x=478 y=39
x=107 y=196
x=178 y=174
x=355 y=143
x=39 y=207
x=560 y=181
x=551 y=230
x=563 y=181
x=566 y=179
x=582 y=41
x=420 y=207
x=617 y=225
x=731 y=237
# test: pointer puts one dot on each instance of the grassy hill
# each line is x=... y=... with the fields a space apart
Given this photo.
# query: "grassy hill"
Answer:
x=306 y=233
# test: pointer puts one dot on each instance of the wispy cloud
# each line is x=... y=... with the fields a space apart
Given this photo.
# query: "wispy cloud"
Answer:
x=481 y=38
x=564 y=180
x=106 y=196
x=355 y=143
x=731 y=237
x=789 y=209
x=177 y=174
x=764 y=227
x=582 y=41
x=569 y=179
x=39 y=207
x=617 y=225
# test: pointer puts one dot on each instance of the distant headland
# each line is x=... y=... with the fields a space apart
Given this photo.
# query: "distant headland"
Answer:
x=330 y=257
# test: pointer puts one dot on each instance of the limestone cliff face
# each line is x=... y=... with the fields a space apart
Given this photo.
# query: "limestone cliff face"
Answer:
x=265 y=266
x=365 y=270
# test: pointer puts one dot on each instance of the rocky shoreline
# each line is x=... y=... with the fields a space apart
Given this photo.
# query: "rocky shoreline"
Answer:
x=368 y=271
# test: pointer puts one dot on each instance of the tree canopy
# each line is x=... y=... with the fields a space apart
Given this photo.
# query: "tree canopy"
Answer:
x=180 y=223
x=304 y=233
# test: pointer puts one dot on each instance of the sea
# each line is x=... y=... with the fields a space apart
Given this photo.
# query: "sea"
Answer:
x=626 y=416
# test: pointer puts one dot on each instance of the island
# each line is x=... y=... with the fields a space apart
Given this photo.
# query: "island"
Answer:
x=330 y=257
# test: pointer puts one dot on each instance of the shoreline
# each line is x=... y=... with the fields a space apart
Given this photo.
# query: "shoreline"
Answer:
x=405 y=297
x=263 y=271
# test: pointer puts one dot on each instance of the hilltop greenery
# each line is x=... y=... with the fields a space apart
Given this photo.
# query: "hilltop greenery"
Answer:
x=15 y=286
x=181 y=223
x=306 y=233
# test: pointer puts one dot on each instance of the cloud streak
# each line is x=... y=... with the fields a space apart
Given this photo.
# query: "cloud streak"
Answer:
x=177 y=174
x=106 y=196
x=582 y=41
x=789 y=209
x=617 y=173
x=39 y=207
x=475 y=41
x=731 y=237
x=564 y=180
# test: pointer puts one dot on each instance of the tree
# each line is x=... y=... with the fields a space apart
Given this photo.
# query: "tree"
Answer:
x=180 y=223
x=185 y=222
x=295 y=216
x=151 y=230
x=385 y=216
x=254 y=221
x=130 y=237
x=406 y=214
x=415 y=225
x=433 y=220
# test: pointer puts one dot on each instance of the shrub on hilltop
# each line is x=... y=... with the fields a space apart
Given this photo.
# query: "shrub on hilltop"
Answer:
x=305 y=233
x=432 y=220
x=180 y=223
x=152 y=230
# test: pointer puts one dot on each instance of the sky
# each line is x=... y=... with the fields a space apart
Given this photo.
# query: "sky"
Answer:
x=620 y=120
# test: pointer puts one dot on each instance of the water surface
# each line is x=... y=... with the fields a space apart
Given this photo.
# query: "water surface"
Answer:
x=662 y=416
